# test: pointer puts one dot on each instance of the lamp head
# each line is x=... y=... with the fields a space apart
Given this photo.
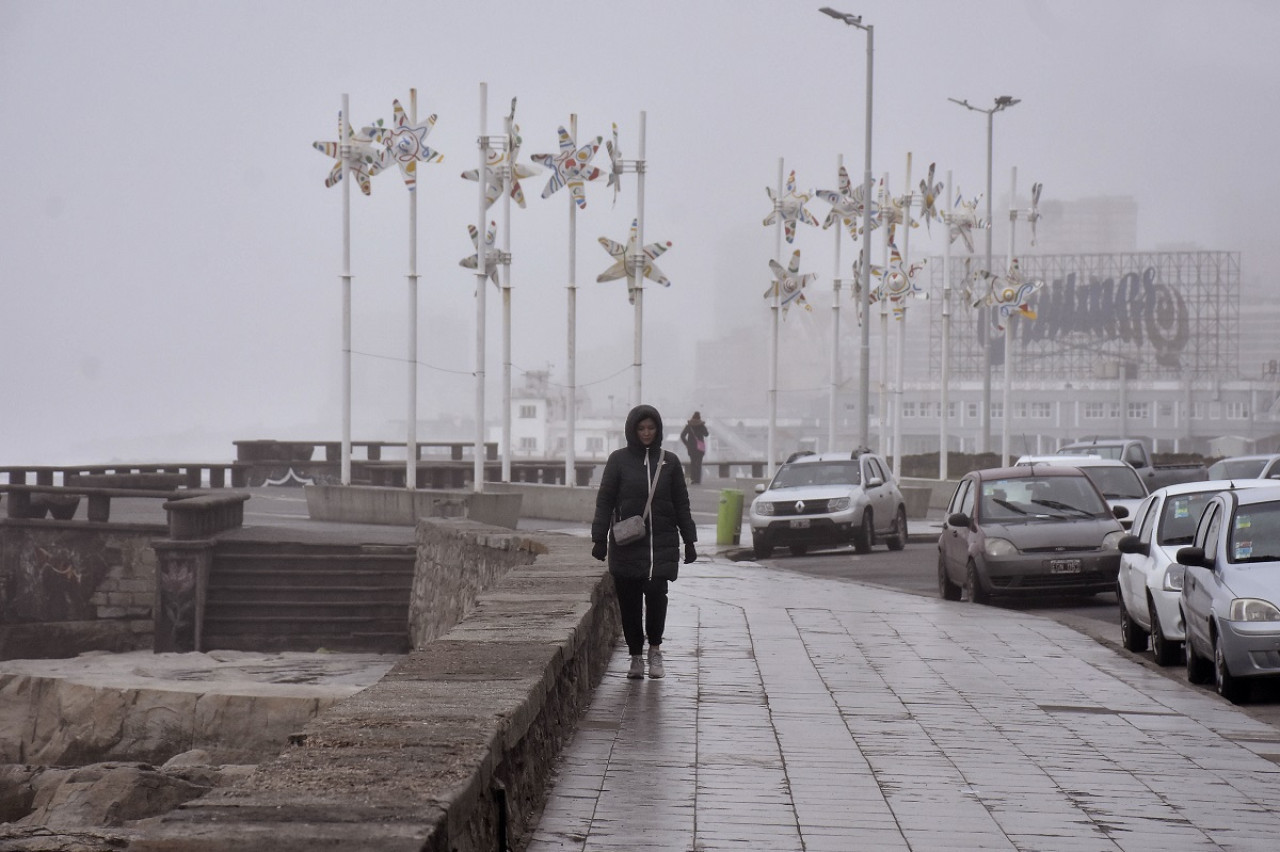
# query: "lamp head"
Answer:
x=1005 y=101
x=852 y=20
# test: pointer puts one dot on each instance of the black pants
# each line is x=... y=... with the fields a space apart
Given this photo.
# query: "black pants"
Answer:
x=695 y=467
x=643 y=606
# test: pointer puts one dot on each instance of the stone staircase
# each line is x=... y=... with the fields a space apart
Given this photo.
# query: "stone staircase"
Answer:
x=304 y=597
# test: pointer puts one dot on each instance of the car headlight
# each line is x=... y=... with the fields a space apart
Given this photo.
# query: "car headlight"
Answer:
x=1173 y=577
x=1111 y=541
x=1253 y=609
x=998 y=547
x=764 y=508
x=839 y=504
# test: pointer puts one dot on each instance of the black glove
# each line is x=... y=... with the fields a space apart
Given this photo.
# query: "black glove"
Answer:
x=600 y=550
x=690 y=553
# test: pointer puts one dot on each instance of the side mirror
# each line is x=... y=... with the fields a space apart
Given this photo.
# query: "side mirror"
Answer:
x=759 y=487
x=1133 y=544
x=874 y=482
x=959 y=519
x=1120 y=512
x=1192 y=557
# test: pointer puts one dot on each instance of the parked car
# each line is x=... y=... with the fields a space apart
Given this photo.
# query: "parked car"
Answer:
x=1025 y=531
x=1149 y=588
x=1119 y=483
x=1246 y=467
x=1231 y=591
x=1135 y=453
x=826 y=499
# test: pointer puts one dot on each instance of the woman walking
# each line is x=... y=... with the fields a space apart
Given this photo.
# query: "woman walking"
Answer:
x=694 y=437
x=642 y=479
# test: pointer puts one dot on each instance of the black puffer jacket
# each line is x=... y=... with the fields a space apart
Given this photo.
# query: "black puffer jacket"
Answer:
x=624 y=488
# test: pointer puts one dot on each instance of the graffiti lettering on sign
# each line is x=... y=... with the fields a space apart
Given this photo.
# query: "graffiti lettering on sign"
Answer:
x=1135 y=309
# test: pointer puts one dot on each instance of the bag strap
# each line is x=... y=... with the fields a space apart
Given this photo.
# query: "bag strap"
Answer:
x=653 y=483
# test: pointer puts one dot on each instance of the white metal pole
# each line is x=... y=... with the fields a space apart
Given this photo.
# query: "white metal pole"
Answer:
x=984 y=314
x=344 y=153
x=1007 y=373
x=883 y=413
x=411 y=434
x=943 y=436
x=571 y=404
x=902 y=330
x=478 y=452
x=638 y=287
x=775 y=309
x=507 y=177
x=835 y=331
x=864 y=363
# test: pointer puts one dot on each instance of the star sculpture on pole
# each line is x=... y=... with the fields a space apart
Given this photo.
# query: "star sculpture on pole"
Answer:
x=406 y=144
x=497 y=161
x=898 y=282
x=492 y=256
x=893 y=211
x=790 y=208
x=846 y=206
x=571 y=166
x=624 y=262
x=1009 y=294
x=929 y=194
x=964 y=219
x=616 y=165
x=788 y=284
x=1033 y=215
x=363 y=157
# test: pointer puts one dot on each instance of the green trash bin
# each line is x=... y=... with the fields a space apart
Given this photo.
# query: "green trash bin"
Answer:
x=729 y=520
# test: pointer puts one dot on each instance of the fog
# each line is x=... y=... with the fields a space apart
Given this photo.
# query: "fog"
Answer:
x=170 y=255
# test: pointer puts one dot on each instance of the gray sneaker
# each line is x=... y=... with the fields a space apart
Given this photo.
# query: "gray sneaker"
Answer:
x=637 y=667
x=655 y=662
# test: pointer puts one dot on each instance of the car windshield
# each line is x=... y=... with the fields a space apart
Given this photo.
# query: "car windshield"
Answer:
x=817 y=473
x=1091 y=450
x=1237 y=469
x=1033 y=498
x=1255 y=533
x=1179 y=518
x=1117 y=483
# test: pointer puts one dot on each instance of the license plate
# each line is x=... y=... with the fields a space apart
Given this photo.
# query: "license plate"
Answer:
x=1064 y=566
x=800 y=524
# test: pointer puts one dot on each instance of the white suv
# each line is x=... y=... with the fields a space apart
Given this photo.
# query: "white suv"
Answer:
x=829 y=499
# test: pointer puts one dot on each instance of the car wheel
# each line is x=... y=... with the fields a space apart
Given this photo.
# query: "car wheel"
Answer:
x=973 y=586
x=799 y=549
x=1228 y=685
x=947 y=590
x=1163 y=650
x=1197 y=666
x=1133 y=637
x=898 y=538
x=865 y=536
x=762 y=548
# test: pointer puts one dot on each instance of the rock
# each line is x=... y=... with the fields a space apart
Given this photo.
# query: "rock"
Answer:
x=105 y=795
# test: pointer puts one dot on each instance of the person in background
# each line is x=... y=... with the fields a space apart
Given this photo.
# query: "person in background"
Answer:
x=694 y=437
x=642 y=569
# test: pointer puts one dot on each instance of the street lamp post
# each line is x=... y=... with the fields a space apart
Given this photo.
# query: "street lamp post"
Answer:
x=864 y=293
x=1002 y=102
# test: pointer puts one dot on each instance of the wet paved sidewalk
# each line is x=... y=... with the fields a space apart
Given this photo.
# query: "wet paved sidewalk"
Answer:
x=809 y=714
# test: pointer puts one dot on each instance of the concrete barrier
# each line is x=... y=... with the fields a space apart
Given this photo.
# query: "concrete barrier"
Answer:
x=551 y=502
x=452 y=749
x=365 y=504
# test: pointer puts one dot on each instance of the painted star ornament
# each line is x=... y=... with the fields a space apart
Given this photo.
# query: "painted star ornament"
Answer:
x=497 y=162
x=789 y=208
x=492 y=256
x=571 y=167
x=788 y=284
x=363 y=157
x=964 y=220
x=1009 y=294
x=625 y=260
x=1033 y=215
x=898 y=283
x=406 y=143
x=929 y=194
x=615 y=164
x=847 y=205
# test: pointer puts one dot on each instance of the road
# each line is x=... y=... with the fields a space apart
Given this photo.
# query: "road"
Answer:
x=914 y=570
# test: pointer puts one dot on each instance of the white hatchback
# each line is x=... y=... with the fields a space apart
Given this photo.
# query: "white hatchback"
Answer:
x=1149 y=586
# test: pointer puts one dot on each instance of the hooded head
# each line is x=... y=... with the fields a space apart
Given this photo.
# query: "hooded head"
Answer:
x=642 y=412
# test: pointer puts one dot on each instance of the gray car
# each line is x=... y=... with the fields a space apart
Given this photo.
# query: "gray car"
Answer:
x=1231 y=591
x=1029 y=530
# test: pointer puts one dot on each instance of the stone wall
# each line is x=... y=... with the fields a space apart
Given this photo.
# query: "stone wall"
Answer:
x=69 y=587
x=452 y=749
x=456 y=562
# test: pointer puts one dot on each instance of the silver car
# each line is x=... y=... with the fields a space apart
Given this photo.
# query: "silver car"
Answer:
x=1231 y=591
x=1246 y=467
x=829 y=499
x=1149 y=588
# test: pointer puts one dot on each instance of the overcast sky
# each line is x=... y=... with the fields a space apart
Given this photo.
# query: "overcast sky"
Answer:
x=170 y=256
